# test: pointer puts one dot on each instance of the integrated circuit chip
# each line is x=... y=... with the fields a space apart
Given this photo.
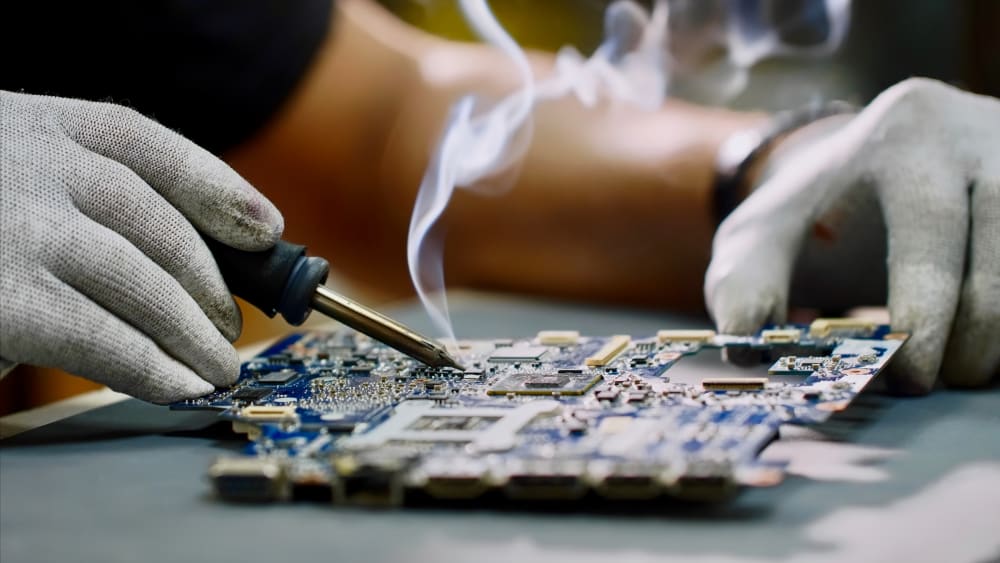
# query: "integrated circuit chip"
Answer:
x=546 y=381
x=518 y=354
x=250 y=394
x=545 y=384
x=278 y=377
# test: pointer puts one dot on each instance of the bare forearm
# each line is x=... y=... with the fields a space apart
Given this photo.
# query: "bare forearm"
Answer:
x=608 y=203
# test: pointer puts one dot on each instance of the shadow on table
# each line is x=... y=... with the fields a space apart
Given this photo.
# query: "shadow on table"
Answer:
x=124 y=420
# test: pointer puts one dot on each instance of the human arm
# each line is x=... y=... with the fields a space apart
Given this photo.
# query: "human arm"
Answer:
x=104 y=273
x=601 y=196
x=904 y=197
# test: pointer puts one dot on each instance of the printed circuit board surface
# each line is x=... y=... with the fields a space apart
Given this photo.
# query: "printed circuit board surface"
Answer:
x=558 y=417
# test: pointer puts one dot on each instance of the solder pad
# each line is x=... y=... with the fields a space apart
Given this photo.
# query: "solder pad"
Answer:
x=565 y=417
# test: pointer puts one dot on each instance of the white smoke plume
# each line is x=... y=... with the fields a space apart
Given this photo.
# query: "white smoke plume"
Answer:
x=632 y=65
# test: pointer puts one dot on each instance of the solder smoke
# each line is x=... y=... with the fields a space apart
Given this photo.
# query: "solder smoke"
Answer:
x=634 y=64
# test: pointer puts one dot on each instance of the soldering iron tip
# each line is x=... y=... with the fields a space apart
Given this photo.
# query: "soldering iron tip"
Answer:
x=448 y=361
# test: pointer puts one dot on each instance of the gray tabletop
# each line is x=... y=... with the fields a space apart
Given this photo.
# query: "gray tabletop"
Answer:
x=915 y=480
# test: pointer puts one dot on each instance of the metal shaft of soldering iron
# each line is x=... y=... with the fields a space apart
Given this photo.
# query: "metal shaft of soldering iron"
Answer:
x=283 y=280
x=381 y=328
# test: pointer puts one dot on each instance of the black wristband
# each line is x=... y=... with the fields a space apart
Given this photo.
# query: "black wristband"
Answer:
x=739 y=152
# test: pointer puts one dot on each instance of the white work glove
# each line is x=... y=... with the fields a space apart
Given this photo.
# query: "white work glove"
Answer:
x=103 y=274
x=911 y=185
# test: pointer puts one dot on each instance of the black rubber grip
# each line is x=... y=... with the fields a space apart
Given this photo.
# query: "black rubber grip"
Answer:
x=280 y=279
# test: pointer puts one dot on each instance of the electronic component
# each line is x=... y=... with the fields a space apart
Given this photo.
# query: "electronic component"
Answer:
x=557 y=416
x=734 y=383
x=781 y=335
x=673 y=336
x=792 y=365
x=612 y=348
x=249 y=394
x=824 y=328
x=558 y=337
x=278 y=377
x=517 y=354
x=250 y=479
x=284 y=280
x=268 y=413
x=545 y=384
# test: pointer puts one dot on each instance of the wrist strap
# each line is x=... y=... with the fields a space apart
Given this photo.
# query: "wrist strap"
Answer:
x=739 y=152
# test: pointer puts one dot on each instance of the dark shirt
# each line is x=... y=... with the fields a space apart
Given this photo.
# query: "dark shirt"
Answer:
x=214 y=70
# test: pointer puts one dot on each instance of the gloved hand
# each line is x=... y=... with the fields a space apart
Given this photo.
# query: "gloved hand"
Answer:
x=916 y=173
x=103 y=273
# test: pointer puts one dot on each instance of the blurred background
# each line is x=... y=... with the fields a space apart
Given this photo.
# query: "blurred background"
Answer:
x=888 y=40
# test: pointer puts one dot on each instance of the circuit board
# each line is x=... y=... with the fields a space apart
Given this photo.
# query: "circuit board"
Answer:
x=557 y=417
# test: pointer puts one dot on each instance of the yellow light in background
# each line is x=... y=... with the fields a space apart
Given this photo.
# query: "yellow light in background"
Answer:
x=536 y=24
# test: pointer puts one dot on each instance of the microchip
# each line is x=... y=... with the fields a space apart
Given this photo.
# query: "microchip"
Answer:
x=278 y=377
x=734 y=383
x=545 y=384
x=517 y=354
x=546 y=381
x=250 y=394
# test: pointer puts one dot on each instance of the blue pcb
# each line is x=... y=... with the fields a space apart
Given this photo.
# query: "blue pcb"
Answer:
x=558 y=417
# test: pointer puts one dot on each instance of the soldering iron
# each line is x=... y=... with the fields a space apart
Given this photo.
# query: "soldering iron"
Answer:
x=284 y=280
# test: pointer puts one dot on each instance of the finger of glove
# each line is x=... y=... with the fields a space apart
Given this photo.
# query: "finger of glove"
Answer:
x=926 y=209
x=743 y=298
x=972 y=357
x=112 y=272
x=71 y=332
x=216 y=199
x=755 y=248
x=112 y=195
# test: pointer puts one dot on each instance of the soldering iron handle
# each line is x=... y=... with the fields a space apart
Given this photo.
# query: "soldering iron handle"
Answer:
x=281 y=279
